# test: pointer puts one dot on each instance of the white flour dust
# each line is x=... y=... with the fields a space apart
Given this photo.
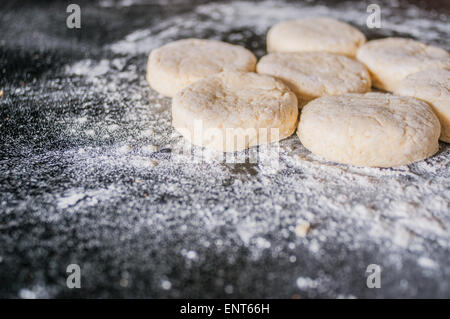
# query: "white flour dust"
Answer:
x=259 y=17
x=400 y=209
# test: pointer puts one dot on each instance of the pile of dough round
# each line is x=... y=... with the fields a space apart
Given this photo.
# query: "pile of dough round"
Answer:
x=253 y=108
x=391 y=60
x=432 y=86
x=372 y=129
x=315 y=34
x=178 y=64
x=314 y=74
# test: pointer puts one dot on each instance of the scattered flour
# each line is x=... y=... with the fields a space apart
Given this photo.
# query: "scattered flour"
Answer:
x=306 y=283
x=259 y=17
x=302 y=201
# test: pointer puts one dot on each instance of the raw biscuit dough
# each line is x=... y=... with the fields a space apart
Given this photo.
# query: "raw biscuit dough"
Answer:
x=432 y=86
x=371 y=129
x=314 y=74
x=178 y=64
x=391 y=60
x=315 y=34
x=254 y=108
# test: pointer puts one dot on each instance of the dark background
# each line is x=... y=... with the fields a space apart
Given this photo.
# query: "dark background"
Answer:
x=116 y=261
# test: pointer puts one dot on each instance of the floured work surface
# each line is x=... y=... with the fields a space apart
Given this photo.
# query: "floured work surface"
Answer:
x=90 y=174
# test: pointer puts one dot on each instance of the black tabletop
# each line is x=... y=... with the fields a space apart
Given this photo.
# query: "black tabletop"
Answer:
x=90 y=175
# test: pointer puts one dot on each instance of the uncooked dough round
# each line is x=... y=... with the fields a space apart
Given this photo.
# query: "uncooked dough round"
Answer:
x=371 y=129
x=178 y=64
x=391 y=60
x=432 y=86
x=231 y=111
x=314 y=74
x=315 y=34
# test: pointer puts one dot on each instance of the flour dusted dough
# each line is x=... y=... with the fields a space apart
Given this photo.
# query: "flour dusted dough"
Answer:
x=392 y=59
x=372 y=129
x=254 y=108
x=314 y=74
x=315 y=34
x=432 y=86
x=175 y=65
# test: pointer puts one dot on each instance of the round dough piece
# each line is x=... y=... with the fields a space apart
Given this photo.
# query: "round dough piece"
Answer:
x=315 y=34
x=432 y=86
x=178 y=64
x=392 y=59
x=231 y=111
x=372 y=129
x=313 y=74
